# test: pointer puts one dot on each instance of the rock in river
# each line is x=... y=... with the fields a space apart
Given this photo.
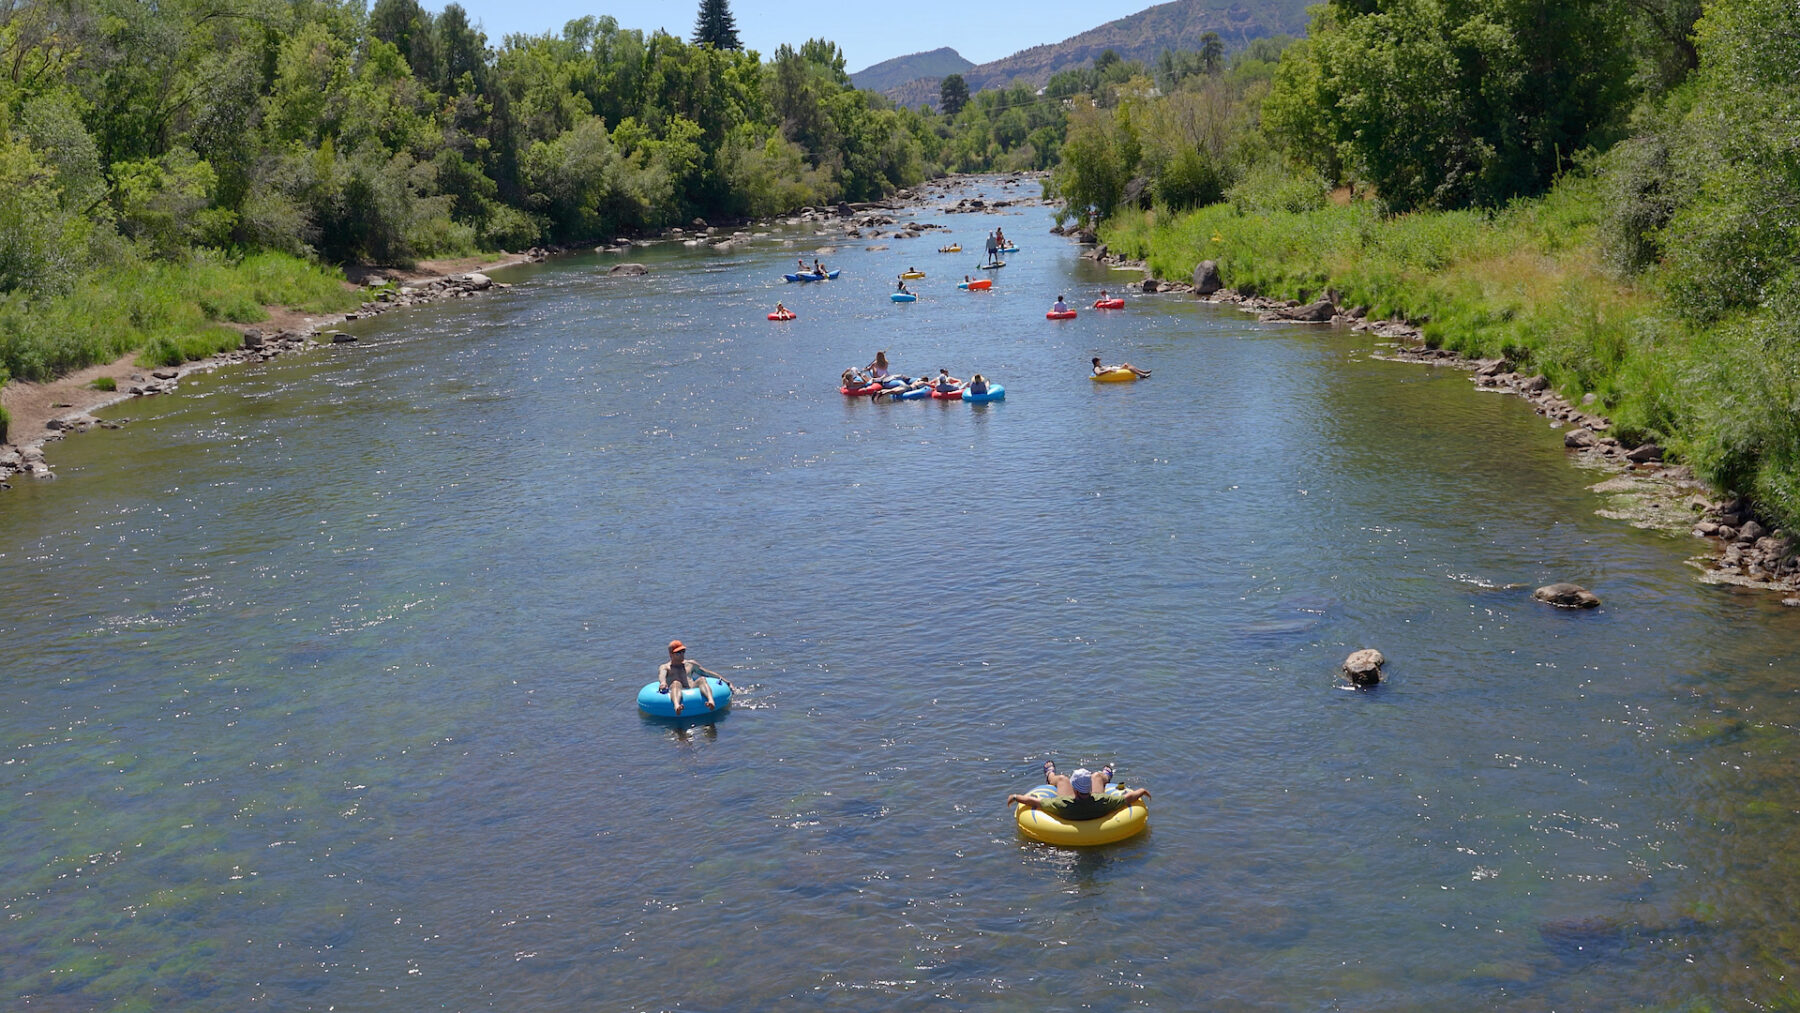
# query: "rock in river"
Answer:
x=1568 y=596
x=1364 y=667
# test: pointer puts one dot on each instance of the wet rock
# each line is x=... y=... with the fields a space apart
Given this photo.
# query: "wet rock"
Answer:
x=166 y=373
x=1644 y=453
x=478 y=282
x=1314 y=313
x=1206 y=278
x=1363 y=668
x=340 y=338
x=628 y=269
x=1151 y=285
x=1568 y=596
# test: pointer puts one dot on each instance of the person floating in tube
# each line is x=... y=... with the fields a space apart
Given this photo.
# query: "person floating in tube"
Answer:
x=678 y=674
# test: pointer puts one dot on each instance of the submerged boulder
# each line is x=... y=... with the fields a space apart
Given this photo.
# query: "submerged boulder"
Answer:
x=1568 y=596
x=1363 y=668
x=628 y=269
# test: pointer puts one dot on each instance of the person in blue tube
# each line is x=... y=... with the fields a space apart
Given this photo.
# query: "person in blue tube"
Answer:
x=680 y=674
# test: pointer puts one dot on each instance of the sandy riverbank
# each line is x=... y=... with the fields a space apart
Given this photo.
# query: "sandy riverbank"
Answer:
x=44 y=412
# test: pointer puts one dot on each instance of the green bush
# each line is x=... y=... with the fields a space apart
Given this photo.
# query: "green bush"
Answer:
x=106 y=383
x=4 y=420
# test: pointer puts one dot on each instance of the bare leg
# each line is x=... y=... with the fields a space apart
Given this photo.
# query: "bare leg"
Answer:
x=1063 y=788
x=1101 y=779
x=706 y=692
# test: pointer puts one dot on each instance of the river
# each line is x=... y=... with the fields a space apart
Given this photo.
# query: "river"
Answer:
x=320 y=675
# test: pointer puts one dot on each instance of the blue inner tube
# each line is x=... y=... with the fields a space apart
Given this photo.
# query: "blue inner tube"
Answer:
x=995 y=392
x=914 y=395
x=693 y=705
x=903 y=297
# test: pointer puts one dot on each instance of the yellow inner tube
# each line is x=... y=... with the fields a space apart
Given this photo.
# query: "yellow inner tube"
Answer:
x=912 y=274
x=1115 y=375
x=950 y=249
x=1041 y=826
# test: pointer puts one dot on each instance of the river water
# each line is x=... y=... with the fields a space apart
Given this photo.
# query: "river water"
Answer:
x=320 y=675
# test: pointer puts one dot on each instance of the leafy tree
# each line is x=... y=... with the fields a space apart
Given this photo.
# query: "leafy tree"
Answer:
x=407 y=27
x=1212 y=53
x=1093 y=170
x=461 y=51
x=1733 y=238
x=716 y=27
x=1447 y=103
x=41 y=242
x=953 y=94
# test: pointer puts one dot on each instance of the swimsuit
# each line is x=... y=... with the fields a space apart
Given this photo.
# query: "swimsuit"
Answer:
x=1090 y=807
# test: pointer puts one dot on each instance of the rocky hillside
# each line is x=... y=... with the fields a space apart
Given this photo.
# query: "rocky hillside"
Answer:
x=1141 y=36
x=889 y=74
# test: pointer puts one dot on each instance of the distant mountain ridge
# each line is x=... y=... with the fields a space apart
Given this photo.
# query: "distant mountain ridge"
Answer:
x=937 y=64
x=1142 y=36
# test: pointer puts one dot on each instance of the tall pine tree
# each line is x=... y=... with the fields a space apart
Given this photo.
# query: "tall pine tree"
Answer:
x=716 y=26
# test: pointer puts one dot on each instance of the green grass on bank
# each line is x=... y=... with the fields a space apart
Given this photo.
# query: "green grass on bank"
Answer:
x=168 y=312
x=1529 y=284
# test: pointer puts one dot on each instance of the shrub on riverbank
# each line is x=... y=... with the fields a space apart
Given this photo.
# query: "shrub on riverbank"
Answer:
x=1527 y=283
x=168 y=311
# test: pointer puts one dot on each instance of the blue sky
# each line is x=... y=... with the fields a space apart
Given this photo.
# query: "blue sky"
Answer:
x=868 y=33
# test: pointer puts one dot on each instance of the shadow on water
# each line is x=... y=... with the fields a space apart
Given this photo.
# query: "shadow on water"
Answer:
x=685 y=729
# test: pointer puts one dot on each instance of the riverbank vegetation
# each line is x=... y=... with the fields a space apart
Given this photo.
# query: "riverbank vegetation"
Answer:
x=1605 y=193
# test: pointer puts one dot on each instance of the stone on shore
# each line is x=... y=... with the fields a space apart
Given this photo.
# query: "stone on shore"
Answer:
x=1363 y=668
x=1644 y=453
x=478 y=282
x=1319 y=312
x=1567 y=596
x=1206 y=278
x=632 y=269
x=1579 y=438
